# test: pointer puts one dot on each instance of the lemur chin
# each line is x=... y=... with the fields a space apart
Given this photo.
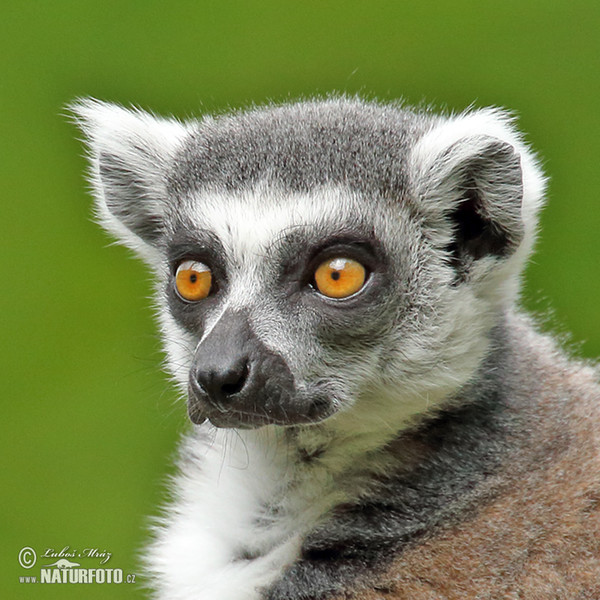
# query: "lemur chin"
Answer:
x=373 y=415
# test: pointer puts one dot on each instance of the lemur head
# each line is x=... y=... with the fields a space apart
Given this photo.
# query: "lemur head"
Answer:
x=320 y=258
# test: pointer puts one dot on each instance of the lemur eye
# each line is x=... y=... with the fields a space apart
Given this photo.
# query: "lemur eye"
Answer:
x=193 y=280
x=340 y=277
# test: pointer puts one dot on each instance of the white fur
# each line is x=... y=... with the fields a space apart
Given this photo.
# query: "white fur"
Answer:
x=219 y=516
x=117 y=131
x=502 y=285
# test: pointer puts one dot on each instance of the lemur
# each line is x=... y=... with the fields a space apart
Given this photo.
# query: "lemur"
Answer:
x=374 y=417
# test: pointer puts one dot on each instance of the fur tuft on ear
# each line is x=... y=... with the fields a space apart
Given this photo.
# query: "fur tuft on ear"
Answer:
x=129 y=152
x=476 y=182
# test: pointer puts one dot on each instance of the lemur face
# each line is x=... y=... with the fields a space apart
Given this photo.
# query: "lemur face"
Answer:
x=314 y=256
x=290 y=303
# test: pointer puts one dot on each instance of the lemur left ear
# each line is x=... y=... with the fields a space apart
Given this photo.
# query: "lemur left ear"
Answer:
x=477 y=182
x=129 y=152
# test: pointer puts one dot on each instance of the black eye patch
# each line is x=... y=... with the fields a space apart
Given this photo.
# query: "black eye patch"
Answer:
x=196 y=244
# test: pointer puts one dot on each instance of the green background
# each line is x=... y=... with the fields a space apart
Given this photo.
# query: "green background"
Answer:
x=89 y=424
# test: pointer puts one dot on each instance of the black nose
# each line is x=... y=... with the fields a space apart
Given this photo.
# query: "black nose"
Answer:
x=225 y=380
x=235 y=380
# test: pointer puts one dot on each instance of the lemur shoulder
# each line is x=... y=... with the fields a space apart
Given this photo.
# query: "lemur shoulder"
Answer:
x=373 y=415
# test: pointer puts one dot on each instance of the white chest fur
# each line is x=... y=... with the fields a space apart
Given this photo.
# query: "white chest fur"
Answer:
x=242 y=504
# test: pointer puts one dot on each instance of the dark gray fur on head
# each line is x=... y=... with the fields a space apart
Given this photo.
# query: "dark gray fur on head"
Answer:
x=303 y=146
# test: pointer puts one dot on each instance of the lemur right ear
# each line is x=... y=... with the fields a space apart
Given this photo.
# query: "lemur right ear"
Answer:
x=479 y=187
x=129 y=152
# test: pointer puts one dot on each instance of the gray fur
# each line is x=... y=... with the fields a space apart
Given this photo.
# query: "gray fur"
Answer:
x=369 y=424
x=303 y=146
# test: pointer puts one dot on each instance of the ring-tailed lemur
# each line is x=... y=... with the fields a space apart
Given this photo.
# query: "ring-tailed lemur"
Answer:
x=373 y=416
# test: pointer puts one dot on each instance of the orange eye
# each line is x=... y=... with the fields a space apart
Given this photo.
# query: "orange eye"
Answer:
x=340 y=277
x=193 y=280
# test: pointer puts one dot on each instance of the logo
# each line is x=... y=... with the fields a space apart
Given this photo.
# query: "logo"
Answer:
x=63 y=563
x=69 y=566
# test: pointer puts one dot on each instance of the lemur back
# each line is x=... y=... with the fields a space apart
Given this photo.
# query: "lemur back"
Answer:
x=373 y=416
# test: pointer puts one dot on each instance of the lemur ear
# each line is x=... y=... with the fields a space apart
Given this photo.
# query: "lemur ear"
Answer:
x=129 y=152
x=473 y=173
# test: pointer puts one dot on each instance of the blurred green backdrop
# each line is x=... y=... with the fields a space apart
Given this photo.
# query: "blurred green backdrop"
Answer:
x=89 y=425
